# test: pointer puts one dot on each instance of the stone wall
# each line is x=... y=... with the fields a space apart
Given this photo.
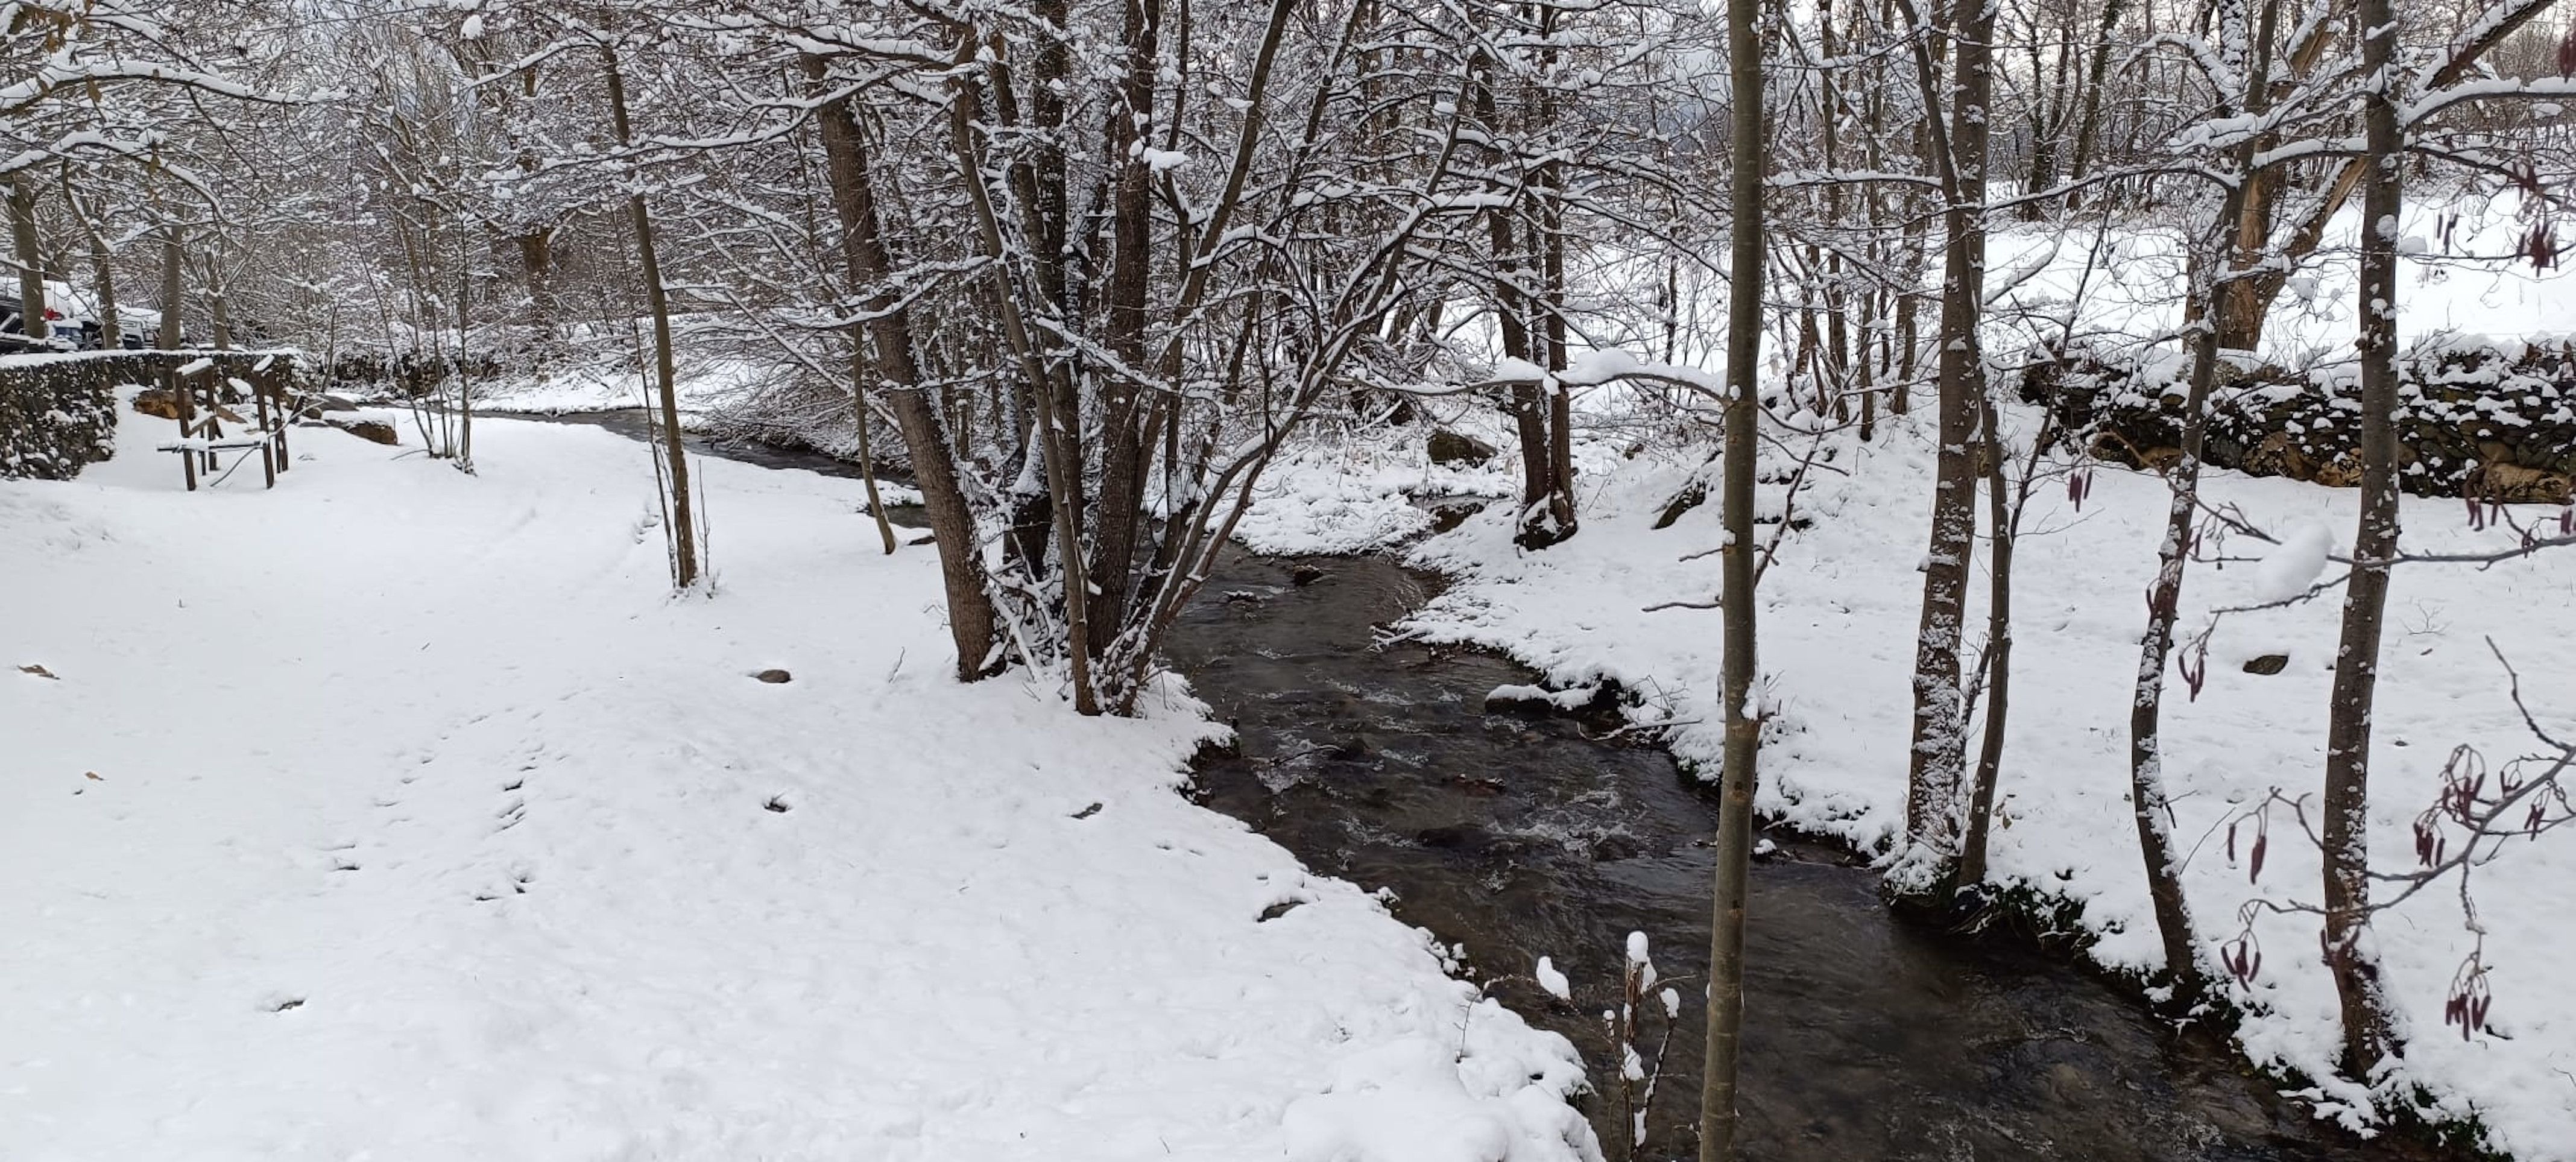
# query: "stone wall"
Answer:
x=58 y=411
x=2484 y=418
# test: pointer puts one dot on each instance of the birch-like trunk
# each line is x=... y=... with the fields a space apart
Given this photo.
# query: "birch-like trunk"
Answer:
x=1938 y=754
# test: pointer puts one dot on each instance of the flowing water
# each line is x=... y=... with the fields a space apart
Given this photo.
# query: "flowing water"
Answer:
x=1866 y=1038
x=1518 y=837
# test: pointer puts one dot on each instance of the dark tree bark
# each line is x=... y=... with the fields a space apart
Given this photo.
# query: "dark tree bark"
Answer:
x=174 y=273
x=1127 y=441
x=1520 y=240
x=2004 y=502
x=860 y=378
x=972 y=623
x=2088 y=130
x=537 y=273
x=2346 y=826
x=111 y=328
x=218 y=305
x=657 y=300
x=1739 y=667
x=1059 y=437
x=31 y=268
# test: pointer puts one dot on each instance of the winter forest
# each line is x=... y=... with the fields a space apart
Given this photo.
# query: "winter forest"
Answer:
x=1329 y=580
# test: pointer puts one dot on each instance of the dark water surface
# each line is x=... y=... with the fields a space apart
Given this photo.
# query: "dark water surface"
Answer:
x=1520 y=837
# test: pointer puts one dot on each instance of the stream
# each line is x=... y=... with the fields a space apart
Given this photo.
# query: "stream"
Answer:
x=1522 y=837
x=1519 y=837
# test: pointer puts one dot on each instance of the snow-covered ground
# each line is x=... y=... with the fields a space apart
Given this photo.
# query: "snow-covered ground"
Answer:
x=401 y=814
x=2447 y=284
x=611 y=383
x=1838 y=618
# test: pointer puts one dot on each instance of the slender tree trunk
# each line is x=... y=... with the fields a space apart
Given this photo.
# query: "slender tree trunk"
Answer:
x=111 y=328
x=2088 y=131
x=1938 y=755
x=464 y=357
x=684 y=538
x=2148 y=798
x=2215 y=275
x=1560 y=397
x=1739 y=669
x=2003 y=520
x=31 y=267
x=972 y=622
x=2347 y=792
x=1517 y=234
x=1127 y=442
x=1058 y=423
x=537 y=272
x=859 y=379
x=218 y=304
x=174 y=273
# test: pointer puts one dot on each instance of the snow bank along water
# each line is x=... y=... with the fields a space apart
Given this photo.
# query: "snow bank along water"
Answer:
x=1614 y=604
x=402 y=814
x=1544 y=853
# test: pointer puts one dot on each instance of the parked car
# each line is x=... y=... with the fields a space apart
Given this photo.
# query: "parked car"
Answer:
x=130 y=337
x=79 y=315
x=13 y=326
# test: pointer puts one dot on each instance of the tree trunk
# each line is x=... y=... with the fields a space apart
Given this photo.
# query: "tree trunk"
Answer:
x=537 y=272
x=972 y=622
x=684 y=539
x=1058 y=422
x=2003 y=520
x=1560 y=398
x=859 y=379
x=2215 y=279
x=1738 y=668
x=2088 y=131
x=2348 y=727
x=464 y=357
x=31 y=268
x=217 y=305
x=174 y=271
x=2148 y=799
x=1517 y=233
x=1127 y=442
x=111 y=329
x=1939 y=742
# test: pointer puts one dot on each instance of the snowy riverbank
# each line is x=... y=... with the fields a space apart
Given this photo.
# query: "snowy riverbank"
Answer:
x=426 y=825
x=1837 y=651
